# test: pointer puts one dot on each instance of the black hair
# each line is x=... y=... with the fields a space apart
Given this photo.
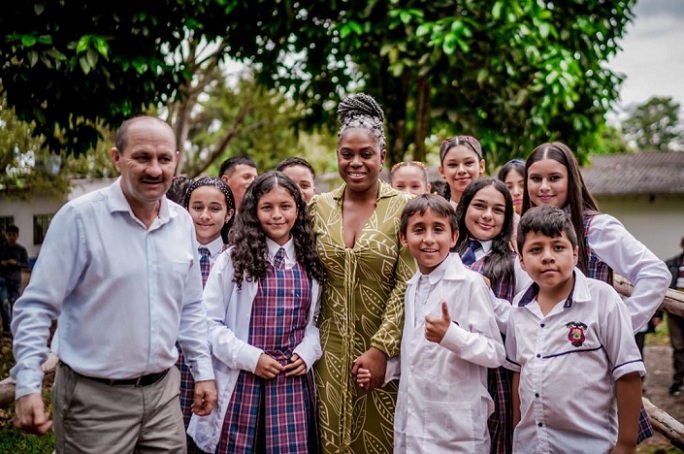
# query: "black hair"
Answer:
x=249 y=253
x=295 y=161
x=420 y=204
x=580 y=201
x=547 y=220
x=227 y=194
x=361 y=111
x=228 y=166
x=178 y=189
x=12 y=229
x=498 y=264
x=441 y=187
x=517 y=165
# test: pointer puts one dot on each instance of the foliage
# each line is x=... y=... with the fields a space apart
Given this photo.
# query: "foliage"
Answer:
x=109 y=62
x=654 y=124
x=30 y=170
x=609 y=140
x=27 y=169
x=264 y=130
x=512 y=73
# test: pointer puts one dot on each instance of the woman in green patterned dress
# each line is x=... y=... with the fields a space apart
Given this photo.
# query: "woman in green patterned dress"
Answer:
x=363 y=305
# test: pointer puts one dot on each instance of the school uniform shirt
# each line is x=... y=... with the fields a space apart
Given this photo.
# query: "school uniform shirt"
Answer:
x=627 y=256
x=215 y=248
x=229 y=310
x=568 y=362
x=443 y=403
x=122 y=293
x=501 y=306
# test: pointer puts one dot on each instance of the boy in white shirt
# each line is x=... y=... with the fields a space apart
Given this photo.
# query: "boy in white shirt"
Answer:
x=450 y=338
x=577 y=369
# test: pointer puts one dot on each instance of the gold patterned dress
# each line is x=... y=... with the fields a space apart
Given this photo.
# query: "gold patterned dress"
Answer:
x=362 y=306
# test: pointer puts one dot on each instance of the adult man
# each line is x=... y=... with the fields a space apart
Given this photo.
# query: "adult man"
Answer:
x=675 y=323
x=119 y=268
x=238 y=173
x=13 y=258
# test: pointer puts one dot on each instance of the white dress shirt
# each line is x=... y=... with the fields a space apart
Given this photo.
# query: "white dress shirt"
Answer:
x=443 y=402
x=122 y=294
x=569 y=360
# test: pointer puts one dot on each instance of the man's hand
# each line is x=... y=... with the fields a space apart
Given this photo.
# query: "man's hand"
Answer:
x=205 y=397
x=436 y=327
x=31 y=416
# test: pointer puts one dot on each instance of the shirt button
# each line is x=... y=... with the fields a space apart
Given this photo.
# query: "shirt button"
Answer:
x=540 y=424
x=538 y=356
x=542 y=325
x=536 y=394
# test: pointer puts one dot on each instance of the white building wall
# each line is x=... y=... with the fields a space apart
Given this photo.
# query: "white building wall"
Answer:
x=657 y=221
x=23 y=212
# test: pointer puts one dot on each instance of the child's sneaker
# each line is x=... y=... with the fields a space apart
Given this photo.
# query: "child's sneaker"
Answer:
x=675 y=389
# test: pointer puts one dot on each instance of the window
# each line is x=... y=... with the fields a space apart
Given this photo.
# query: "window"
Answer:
x=41 y=222
x=5 y=221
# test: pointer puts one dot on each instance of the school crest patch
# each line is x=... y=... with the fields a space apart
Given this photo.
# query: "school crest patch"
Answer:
x=576 y=333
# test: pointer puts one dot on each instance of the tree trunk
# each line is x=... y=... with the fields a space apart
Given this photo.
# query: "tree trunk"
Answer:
x=422 y=128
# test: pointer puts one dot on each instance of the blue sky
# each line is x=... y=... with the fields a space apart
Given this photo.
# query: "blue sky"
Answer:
x=652 y=58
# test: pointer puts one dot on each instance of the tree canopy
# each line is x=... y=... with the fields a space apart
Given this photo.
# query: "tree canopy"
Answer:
x=512 y=73
x=654 y=124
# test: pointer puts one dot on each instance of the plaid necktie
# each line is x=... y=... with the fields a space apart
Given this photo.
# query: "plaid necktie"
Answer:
x=469 y=256
x=279 y=259
x=204 y=263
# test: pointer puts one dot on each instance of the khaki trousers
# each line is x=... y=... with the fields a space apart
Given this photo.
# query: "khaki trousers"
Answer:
x=97 y=418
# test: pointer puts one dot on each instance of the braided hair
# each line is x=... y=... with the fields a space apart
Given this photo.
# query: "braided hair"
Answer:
x=227 y=193
x=361 y=111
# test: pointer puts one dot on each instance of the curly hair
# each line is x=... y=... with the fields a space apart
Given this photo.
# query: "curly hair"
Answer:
x=249 y=253
x=361 y=111
x=227 y=194
x=498 y=264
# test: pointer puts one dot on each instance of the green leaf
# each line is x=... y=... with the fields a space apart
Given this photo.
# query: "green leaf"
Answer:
x=449 y=44
x=91 y=55
x=101 y=46
x=28 y=40
x=85 y=67
x=497 y=10
x=397 y=69
x=140 y=66
x=356 y=27
x=83 y=44
x=33 y=58
x=544 y=30
x=422 y=30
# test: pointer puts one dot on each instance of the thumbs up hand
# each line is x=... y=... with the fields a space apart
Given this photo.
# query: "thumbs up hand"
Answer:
x=436 y=327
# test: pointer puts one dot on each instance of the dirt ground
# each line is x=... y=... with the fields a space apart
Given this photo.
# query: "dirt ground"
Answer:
x=658 y=380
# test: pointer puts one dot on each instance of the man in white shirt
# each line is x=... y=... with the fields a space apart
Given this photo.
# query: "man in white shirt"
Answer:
x=119 y=270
